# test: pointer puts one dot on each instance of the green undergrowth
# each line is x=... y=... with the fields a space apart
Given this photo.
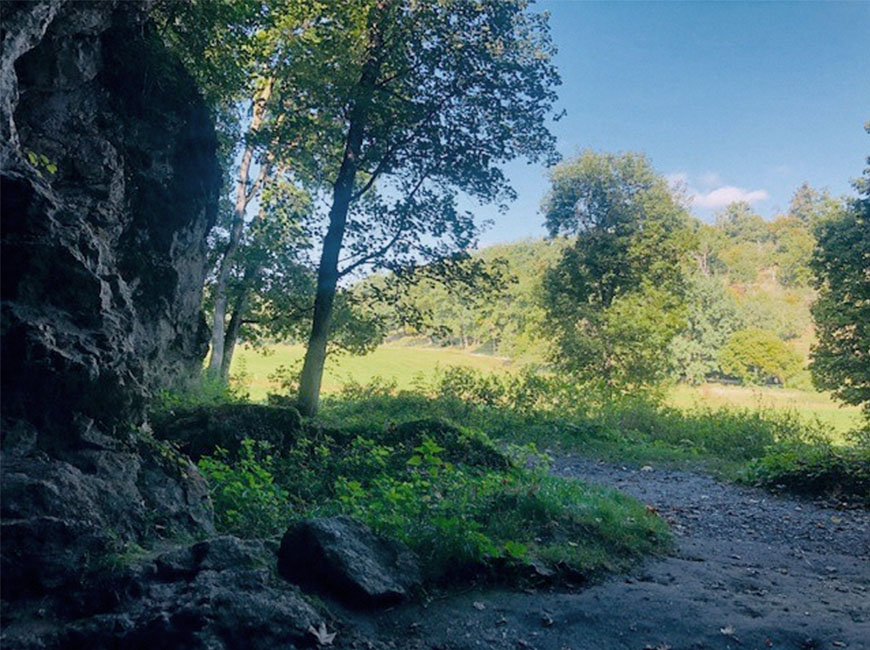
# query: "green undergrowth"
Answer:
x=841 y=473
x=771 y=448
x=464 y=505
x=454 y=470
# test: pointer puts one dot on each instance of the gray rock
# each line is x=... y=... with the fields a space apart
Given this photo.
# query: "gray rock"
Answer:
x=103 y=258
x=109 y=184
x=346 y=559
x=215 y=595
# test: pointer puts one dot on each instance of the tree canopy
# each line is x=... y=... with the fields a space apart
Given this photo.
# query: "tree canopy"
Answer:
x=421 y=102
x=615 y=298
x=841 y=265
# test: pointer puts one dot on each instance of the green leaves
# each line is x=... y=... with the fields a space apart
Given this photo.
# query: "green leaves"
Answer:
x=247 y=500
x=41 y=162
x=616 y=296
x=757 y=356
x=841 y=358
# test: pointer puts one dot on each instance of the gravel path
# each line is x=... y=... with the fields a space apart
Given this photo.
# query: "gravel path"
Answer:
x=749 y=570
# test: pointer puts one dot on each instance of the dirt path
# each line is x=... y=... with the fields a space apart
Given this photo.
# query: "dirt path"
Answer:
x=749 y=571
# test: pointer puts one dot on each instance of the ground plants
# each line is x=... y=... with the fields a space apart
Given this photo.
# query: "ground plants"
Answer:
x=464 y=504
x=753 y=445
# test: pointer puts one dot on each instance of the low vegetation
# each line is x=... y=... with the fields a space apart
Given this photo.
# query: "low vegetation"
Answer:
x=457 y=468
x=751 y=445
x=465 y=505
x=408 y=364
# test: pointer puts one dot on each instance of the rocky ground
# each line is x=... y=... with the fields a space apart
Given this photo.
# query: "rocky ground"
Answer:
x=748 y=570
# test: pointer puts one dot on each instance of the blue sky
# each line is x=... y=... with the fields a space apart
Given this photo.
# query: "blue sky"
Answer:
x=739 y=100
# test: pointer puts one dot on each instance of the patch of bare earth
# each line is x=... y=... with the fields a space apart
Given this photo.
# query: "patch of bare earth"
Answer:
x=749 y=571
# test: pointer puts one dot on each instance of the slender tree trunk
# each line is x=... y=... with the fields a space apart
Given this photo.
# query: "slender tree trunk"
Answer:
x=232 y=336
x=327 y=282
x=240 y=306
x=328 y=273
x=244 y=195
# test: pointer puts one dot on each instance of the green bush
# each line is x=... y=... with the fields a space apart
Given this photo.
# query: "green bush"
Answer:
x=816 y=470
x=206 y=391
x=454 y=497
x=554 y=412
x=462 y=519
x=247 y=500
x=757 y=356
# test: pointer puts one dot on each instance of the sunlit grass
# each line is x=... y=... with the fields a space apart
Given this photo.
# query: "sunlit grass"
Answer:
x=408 y=364
x=403 y=364
x=808 y=404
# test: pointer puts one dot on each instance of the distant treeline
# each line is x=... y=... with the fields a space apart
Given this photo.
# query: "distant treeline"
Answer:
x=748 y=296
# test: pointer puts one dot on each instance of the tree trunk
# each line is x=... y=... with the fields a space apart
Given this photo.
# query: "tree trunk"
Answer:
x=232 y=336
x=327 y=273
x=327 y=281
x=243 y=198
x=236 y=319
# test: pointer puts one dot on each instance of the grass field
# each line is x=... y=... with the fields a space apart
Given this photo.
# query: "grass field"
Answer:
x=406 y=364
x=399 y=363
x=810 y=404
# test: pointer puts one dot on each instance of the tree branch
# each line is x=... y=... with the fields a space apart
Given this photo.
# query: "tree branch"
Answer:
x=386 y=247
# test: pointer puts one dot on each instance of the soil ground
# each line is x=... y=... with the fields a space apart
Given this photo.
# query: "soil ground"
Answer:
x=748 y=571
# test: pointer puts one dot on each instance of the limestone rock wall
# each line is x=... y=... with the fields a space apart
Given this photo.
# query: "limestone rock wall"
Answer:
x=109 y=186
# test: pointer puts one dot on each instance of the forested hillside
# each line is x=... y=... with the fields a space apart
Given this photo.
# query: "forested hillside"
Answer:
x=746 y=307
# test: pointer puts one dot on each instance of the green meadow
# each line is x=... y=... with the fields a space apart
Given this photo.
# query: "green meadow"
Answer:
x=407 y=365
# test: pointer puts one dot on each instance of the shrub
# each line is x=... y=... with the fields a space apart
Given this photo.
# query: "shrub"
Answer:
x=816 y=470
x=207 y=391
x=448 y=492
x=247 y=500
x=757 y=356
x=460 y=519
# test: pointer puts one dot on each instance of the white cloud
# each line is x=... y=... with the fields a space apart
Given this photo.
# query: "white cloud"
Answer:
x=725 y=195
x=711 y=179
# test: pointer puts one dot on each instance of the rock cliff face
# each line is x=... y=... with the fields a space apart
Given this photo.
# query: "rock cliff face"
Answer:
x=109 y=186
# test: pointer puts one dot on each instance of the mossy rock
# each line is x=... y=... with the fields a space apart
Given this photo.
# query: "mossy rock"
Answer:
x=460 y=446
x=200 y=430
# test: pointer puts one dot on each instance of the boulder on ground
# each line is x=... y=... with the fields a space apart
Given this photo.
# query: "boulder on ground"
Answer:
x=348 y=561
x=200 y=430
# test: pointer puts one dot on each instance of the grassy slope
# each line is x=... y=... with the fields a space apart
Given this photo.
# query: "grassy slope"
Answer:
x=404 y=364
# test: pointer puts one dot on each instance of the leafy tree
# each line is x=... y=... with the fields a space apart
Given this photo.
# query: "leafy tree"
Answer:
x=239 y=52
x=785 y=312
x=840 y=360
x=268 y=289
x=271 y=292
x=794 y=247
x=623 y=347
x=510 y=322
x=615 y=298
x=757 y=356
x=710 y=243
x=741 y=224
x=809 y=206
x=744 y=260
x=712 y=317
x=411 y=103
